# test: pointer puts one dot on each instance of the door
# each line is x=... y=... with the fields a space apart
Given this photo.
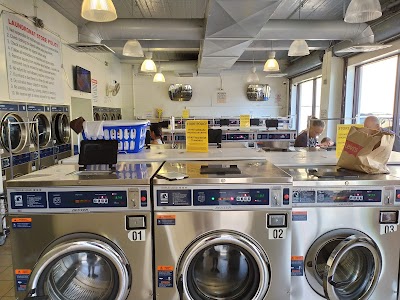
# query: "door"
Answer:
x=61 y=128
x=84 y=269
x=13 y=136
x=223 y=265
x=344 y=264
x=43 y=130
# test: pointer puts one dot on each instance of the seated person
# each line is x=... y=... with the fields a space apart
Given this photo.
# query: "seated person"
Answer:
x=309 y=137
x=156 y=134
x=326 y=142
x=372 y=122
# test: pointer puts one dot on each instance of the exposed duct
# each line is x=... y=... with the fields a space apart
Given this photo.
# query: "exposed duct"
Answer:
x=305 y=64
x=143 y=29
x=313 y=30
x=383 y=30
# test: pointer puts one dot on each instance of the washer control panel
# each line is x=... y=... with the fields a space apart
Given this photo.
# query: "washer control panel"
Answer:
x=77 y=199
x=338 y=196
x=220 y=198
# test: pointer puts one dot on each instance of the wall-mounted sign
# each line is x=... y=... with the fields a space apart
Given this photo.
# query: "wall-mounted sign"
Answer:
x=221 y=96
x=33 y=61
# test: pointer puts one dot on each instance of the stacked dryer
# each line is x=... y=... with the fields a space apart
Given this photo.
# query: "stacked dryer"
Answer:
x=14 y=140
x=41 y=137
x=345 y=240
x=61 y=132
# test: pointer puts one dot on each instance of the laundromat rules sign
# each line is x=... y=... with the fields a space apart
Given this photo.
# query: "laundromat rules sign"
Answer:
x=197 y=136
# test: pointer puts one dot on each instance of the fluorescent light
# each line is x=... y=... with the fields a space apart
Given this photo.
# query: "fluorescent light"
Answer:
x=299 y=48
x=360 y=11
x=132 y=48
x=148 y=65
x=253 y=77
x=98 y=10
x=271 y=64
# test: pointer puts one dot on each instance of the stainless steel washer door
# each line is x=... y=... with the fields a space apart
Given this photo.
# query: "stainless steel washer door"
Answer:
x=343 y=265
x=17 y=133
x=44 y=130
x=223 y=265
x=61 y=128
x=89 y=269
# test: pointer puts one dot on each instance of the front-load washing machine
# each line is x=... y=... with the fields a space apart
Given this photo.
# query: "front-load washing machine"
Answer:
x=44 y=144
x=14 y=140
x=96 y=113
x=223 y=232
x=82 y=235
x=344 y=231
x=61 y=131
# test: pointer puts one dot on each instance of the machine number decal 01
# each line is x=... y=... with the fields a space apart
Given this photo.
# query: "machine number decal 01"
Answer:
x=277 y=233
x=137 y=235
x=388 y=228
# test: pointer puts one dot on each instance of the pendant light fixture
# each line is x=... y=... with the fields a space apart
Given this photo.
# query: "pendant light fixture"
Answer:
x=159 y=77
x=253 y=77
x=148 y=65
x=271 y=65
x=132 y=48
x=299 y=47
x=98 y=10
x=360 y=11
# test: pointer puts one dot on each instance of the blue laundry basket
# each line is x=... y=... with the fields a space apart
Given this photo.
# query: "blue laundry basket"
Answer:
x=131 y=135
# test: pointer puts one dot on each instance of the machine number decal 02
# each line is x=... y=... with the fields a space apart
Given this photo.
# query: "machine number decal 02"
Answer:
x=137 y=235
x=277 y=233
x=388 y=228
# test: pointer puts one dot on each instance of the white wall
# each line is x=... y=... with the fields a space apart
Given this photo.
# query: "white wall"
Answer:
x=148 y=96
x=68 y=33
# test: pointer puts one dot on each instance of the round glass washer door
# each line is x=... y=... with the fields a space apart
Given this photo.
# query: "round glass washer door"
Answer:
x=18 y=133
x=86 y=270
x=61 y=128
x=224 y=266
x=343 y=264
x=44 y=130
x=96 y=116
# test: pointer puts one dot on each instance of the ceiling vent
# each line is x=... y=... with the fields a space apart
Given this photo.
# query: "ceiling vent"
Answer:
x=363 y=48
x=91 y=47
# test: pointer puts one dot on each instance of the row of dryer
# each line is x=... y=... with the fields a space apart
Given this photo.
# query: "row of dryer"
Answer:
x=28 y=147
x=106 y=113
x=231 y=230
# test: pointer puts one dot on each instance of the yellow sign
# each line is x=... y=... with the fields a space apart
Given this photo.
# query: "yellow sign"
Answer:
x=341 y=136
x=244 y=120
x=197 y=136
x=185 y=114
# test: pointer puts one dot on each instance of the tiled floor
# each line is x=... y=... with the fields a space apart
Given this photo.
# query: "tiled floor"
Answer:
x=6 y=272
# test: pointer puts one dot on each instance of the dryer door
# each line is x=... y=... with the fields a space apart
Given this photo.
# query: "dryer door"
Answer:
x=81 y=269
x=353 y=269
x=223 y=265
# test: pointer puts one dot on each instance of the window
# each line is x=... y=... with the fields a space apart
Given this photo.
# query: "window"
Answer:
x=375 y=90
x=309 y=101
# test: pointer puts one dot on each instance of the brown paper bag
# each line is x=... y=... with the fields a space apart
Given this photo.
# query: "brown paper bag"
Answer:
x=367 y=151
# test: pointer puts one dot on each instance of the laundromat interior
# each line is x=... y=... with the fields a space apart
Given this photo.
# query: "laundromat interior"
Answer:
x=200 y=149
